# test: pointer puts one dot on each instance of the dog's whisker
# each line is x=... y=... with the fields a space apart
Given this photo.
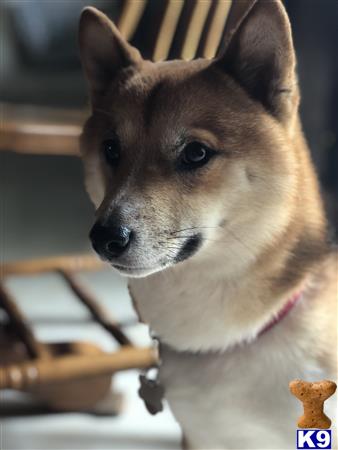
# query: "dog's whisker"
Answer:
x=173 y=248
x=178 y=237
x=243 y=244
x=170 y=255
x=194 y=228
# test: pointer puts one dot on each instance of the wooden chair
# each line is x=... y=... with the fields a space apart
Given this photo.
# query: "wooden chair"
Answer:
x=69 y=375
x=64 y=375
x=185 y=29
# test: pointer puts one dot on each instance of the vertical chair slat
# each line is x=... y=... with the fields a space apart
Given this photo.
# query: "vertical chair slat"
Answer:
x=195 y=28
x=216 y=28
x=130 y=17
x=167 y=29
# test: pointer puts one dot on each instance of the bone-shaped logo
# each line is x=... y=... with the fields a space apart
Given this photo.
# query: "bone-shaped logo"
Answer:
x=313 y=396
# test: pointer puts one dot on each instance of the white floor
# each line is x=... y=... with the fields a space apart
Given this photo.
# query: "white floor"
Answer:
x=44 y=211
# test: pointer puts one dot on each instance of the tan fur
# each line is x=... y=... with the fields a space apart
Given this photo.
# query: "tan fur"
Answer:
x=256 y=204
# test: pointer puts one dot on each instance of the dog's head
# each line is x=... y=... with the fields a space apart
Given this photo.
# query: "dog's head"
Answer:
x=184 y=156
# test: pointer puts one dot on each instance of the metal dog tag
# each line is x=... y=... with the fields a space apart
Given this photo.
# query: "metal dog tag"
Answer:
x=152 y=393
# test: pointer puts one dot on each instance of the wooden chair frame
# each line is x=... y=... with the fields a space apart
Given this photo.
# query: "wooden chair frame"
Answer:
x=42 y=369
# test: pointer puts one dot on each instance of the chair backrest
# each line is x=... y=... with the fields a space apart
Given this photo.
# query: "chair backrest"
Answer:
x=184 y=29
x=170 y=29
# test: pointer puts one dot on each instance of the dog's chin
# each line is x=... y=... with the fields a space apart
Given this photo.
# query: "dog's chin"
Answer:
x=138 y=272
x=188 y=249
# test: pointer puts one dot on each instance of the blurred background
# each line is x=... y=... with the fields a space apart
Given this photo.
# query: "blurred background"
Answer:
x=44 y=211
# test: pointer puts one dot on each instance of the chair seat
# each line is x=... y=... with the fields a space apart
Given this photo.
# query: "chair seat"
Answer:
x=41 y=130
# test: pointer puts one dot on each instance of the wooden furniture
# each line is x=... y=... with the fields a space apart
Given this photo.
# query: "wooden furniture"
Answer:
x=69 y=375
x=184 y=29
x=40 y=130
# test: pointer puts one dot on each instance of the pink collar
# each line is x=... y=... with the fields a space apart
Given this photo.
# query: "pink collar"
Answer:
x=282 y=312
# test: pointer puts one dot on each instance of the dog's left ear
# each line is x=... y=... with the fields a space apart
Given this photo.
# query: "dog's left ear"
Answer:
x=258 y=53
x=104 y=52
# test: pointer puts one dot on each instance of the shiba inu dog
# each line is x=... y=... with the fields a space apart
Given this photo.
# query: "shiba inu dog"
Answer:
x=207 y=199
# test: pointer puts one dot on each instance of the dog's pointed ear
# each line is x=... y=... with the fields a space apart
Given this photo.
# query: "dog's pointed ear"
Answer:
x=257 y=51
x=103 y=50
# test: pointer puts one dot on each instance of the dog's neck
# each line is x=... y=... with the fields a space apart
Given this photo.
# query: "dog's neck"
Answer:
x=226 y=294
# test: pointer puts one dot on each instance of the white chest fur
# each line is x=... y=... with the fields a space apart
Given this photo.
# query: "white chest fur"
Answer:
x=190 y=308
x=235 y=399
x=239 y=399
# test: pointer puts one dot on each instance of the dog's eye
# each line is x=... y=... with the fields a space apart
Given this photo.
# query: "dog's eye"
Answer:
x=111 y=151
x=194 y=155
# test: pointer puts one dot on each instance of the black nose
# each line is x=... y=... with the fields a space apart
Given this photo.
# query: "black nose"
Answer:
x=110 y=241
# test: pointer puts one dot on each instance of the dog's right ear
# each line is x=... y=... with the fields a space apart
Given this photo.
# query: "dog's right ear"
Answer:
x=104 y=52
